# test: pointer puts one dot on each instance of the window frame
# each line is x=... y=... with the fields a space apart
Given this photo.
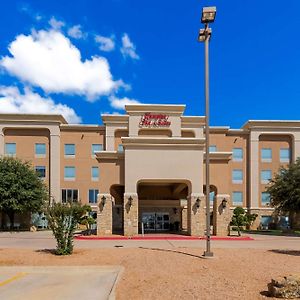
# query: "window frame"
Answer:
x=40 y=154
x=72 y=193
x=92 y=150
x=212 y=148
x=15 y=149
x=95 y=195
x=38 y=171
x=263 y=202
x=265 y=181
x=284 y=159
x=238 y=158
x=67 y=155
x=92 y=175
x=266 y=159
x=237 y=181
x=240 y=203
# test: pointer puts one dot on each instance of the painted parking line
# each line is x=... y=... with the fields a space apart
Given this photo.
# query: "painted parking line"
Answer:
x=13 y=278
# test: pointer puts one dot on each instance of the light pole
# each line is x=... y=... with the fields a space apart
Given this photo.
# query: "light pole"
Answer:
x=208 y=16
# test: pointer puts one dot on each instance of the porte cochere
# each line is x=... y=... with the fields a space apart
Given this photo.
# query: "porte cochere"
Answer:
x=154 y=181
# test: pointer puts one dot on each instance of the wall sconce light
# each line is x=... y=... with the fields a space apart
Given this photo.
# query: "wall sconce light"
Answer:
x=130 y=201
x=103 y=200
x=224 y=203
x=175 y=210
x=198 y=202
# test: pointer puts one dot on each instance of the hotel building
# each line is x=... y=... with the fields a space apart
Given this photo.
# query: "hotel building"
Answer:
x=145 y=169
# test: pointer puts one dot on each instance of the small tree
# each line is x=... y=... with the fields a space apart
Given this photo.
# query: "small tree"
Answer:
x=62 y=220
x=284 y=189
x=88 y=221
x=21 y=189
x=241 y=218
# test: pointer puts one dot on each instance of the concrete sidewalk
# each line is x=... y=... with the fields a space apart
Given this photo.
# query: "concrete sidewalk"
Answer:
x=58 y=283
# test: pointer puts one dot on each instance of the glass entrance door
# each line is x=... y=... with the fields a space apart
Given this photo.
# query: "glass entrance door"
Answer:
x=156 y=221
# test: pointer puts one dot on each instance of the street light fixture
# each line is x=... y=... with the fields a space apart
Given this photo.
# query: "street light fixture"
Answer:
x=208 y=16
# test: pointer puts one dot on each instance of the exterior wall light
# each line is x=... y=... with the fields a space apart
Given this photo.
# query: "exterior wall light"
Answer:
x=208 y=14
x=130 y=201
x=224 y=203
x=198 y=202
x=103 y=200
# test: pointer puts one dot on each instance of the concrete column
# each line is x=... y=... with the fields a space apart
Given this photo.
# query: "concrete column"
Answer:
x=296 y=150
x=1 y=141
x=254 y=169
x=196 y=214
x=221 y=215
x=55 y=164
x=131 y=217
x=110 y=138
x=104 y=215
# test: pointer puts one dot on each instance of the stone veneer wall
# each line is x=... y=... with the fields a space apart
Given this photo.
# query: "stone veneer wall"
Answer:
x=130 y=214
x=221 y=216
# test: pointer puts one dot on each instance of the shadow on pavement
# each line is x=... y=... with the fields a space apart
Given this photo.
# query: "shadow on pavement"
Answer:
x=174 y=251
x=48 y=251
x=287 y=252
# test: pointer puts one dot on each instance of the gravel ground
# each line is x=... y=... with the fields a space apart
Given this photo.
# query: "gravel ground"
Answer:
x=176 y=273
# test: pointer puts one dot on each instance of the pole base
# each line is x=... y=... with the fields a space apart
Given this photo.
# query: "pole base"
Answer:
x=207 y=254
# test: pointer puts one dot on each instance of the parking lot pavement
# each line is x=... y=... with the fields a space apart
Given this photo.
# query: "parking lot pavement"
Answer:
x=58 y=283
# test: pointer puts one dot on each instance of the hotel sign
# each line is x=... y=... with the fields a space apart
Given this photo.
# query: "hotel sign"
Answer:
x=154 y=120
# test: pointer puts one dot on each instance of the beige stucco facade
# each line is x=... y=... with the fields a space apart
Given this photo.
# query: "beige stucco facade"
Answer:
x=147 y=171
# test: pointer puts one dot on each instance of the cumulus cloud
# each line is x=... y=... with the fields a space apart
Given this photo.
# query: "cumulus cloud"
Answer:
x=14 y=102
x=56 y=24
x=49 y=60
x=128 y=49
x=119 y=103
x=106 y=44
x=76 y=32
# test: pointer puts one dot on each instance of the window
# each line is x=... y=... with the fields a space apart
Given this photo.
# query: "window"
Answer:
x=10 y=148
x=68 y=195
x=120 y=148
x=96 y=148
x=237 y=176
x=69 y=173
x=93 y=196
x=237 y=154
x=41 y=171
x=213 y=148
x=70 y=149
x=211 y=197
x=285 y=155
x=265 y=198
x=266 y=154
x=237 y=198
x=265 y=176
x=95 y=173
x=265 y=222
x=40 y=149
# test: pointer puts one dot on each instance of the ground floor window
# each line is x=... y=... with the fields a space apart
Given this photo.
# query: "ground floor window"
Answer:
x=93 y=195
x=69 y=195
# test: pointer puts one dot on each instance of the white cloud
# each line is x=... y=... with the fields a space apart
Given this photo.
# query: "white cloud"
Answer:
x=105 y=43
x=119 y=103
x=56 y=24
x=76 y=32
x=128 y=49
x=12 y=101
x=49 y=60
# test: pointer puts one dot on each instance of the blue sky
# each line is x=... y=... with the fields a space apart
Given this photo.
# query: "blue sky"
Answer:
x=82 y=58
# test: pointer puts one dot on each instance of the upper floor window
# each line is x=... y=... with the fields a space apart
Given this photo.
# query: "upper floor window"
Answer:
x=265 y=176
x=213 y=148
x=10 y=148
x=69 y=195
x=69 y=173
x=265 y=198
x=96 y=148
x=120 y=148
x=237 y=198
x=95 y=173
x=237 y=176
x=41 y=171
x=70 y=149
x=237 y=154
x=285 y=155
x=93 y=195
x=266 y=154
x=40 y=149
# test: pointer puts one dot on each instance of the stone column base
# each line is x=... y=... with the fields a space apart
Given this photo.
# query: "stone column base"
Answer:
x=222 y=215
x=196 y=214
x=131 y=218
x=104 y=215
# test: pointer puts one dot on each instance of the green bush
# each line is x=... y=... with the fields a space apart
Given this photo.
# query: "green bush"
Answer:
x=62 y=220
x=241 y=218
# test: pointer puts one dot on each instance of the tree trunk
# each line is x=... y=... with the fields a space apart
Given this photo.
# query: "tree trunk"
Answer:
x=11 y=215
x=239 y=231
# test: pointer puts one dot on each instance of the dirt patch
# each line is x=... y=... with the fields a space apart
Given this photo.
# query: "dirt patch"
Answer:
x=176 y=273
